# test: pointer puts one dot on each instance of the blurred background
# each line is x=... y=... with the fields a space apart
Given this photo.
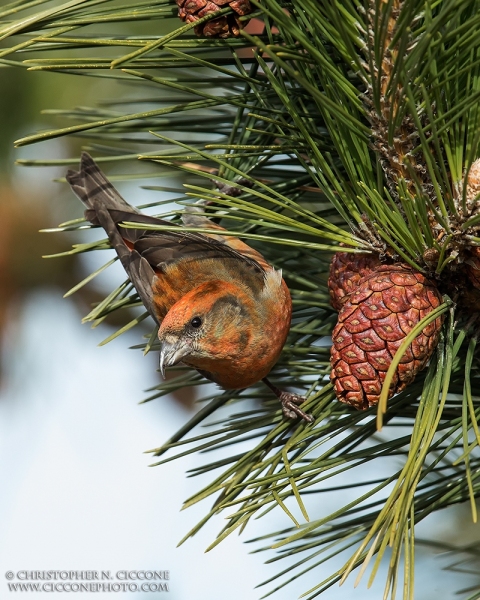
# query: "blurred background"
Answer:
x=76 y=489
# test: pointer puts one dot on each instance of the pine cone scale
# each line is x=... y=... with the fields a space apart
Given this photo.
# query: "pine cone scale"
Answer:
x=376 y=309
x=241 y=7
x=380 y=360
x=403 y=279
x=396 y=300
x=407 y=356
x=342 y=338
x=381 y=284
x=417 y=298
x=225 y=26
x=388 y=328
x=357 y=322
x=192 y=6
x=368 y=341
x=363 y=371
x=408 y=319
x=352 y=354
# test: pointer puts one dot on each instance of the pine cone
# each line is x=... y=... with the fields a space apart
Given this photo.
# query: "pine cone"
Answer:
x=472 y=192
x=223 y=27
x=346 y=270
x=372 y=324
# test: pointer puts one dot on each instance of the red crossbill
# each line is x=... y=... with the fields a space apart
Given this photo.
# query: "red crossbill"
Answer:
x=221 y=308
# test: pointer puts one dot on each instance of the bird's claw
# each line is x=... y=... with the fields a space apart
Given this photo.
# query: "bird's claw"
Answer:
x=289 y=402
x=290 y=407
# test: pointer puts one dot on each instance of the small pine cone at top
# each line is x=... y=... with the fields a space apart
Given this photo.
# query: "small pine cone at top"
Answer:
x=346 y=270
x=223 y=27
x=472 y=193
x=372 y=324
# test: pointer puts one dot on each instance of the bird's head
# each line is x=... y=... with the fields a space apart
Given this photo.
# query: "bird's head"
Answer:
x=213 y=322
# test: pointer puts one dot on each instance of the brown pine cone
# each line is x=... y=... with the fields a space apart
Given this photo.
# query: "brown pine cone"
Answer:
x=372 y=324
x=225 y=26
x=346 y=270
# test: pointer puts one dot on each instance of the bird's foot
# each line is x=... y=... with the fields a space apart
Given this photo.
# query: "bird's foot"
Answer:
x=290 y=407
x=290 y=403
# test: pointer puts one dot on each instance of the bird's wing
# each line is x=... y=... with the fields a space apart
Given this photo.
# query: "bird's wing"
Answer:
x=159 y=263
x=192 y=219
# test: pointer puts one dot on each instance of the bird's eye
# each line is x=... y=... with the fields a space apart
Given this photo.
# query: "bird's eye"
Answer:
x=196 y=322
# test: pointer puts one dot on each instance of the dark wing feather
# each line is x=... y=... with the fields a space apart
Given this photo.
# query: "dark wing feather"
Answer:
x=145 y=253
x=91 y=186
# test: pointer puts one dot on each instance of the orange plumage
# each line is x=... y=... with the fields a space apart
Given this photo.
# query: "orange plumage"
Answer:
x=221 y=308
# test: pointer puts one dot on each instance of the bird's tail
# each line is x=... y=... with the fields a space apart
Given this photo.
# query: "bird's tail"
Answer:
x=94 y=190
